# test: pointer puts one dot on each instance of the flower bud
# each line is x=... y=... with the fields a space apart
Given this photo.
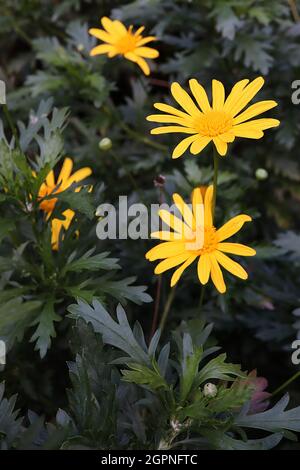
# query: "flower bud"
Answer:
x=159 y=181
x=261 y=174
x=210 y=390
x=80 y=47
x=105 y=143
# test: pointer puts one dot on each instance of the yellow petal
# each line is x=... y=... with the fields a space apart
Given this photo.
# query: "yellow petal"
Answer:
x=178 y=273
x=174 y=222
x=66 y=170
x=261 y=124
x=172 y=129
x=216 y=275
x=200 y=95
x=204 y=267
x=232 y=226
x=184 y=210
x=236 y=249
x=50 y=181
x=146 y=52
x=102 y=49
x=119 y=27
x=79 y=175
x=208 y=221
x=166 y=108
x=169 y=263
x=166 y=250
x=198 y=207
x=220 y=146
x=243 y=130
x=199 y=144
x=167 y=118
x=109 y=25
x=247 y=94
x=183 y=146
x=227 y=137
x=254 y=110
x=165 y=235
x=139 y=30
x=145 y=40
x=184 y=99
x=235 y=94
x=102 y=35
x=232 y=266
x=218 y=95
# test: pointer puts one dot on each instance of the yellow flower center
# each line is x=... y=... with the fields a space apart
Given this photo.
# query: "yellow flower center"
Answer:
x=205 y=240
x=213 y=123
x=127 y=43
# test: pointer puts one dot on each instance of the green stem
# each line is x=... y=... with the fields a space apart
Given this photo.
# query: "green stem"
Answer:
x=167 y=308
x=11 y=124
x=285 y=384
x=201 y=297
x=215 y=180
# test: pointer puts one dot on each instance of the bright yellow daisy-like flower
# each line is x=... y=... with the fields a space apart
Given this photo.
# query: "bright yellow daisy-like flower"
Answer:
x=195 y=237
x=122 y=41
x=220 y=122
x=50 y=187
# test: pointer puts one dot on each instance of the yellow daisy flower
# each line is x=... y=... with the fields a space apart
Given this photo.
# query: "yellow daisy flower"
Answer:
x=220 y=122
x=64 y=181
x=123 y=41
x=196 y=237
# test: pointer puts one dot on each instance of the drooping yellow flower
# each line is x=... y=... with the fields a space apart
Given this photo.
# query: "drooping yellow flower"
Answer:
x=220 y=122
x=50 y=187
x=122 y=41
x=195 y=237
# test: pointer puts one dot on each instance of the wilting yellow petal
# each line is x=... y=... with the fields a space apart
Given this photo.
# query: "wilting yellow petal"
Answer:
x=236 y=249
x=232 y=266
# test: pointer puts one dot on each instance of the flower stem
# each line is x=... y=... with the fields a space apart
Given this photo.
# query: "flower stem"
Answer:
x=201 y=297
x=294 y=10
x=215 y=181
x=167 y=308
x=285 y=384
x=156 y=306
x=11 y=124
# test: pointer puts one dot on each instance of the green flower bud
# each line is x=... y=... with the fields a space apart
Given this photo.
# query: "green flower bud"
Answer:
x=80 y=47
x=261 y=174
x=105 y=143
x=210 y=390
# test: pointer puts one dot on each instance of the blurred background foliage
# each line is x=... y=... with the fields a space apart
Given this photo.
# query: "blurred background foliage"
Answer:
x=46 y=65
